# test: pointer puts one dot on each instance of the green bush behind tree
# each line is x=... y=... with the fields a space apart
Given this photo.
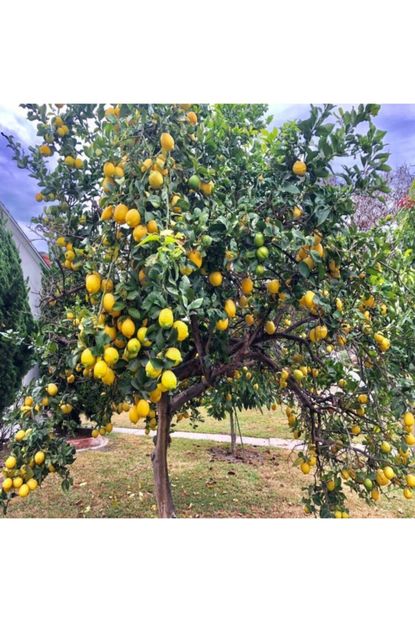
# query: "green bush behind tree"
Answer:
x=16 y=321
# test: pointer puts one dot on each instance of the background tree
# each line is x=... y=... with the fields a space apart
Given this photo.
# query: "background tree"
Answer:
x=16 y=321
x=222 y=270
x=371 y=209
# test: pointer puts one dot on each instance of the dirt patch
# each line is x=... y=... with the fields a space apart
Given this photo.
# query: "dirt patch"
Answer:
x=247 y=455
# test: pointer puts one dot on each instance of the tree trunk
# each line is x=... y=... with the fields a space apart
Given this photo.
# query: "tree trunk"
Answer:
x=233 y=434
x=159 y=457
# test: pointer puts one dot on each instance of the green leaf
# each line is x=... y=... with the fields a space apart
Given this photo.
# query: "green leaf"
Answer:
x=303 y=269
x=322 y=215
x=134 y=313
x=196 y=304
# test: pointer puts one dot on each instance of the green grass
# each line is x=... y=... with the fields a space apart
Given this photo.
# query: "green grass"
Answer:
x=268 y=424
x=117 y=482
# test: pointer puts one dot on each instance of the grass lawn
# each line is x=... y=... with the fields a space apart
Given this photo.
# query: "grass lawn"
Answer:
x=268 y=424
x=117 y=482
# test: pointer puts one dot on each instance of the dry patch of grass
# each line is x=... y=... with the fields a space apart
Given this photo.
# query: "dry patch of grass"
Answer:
x=268 y=424
x=117 y=482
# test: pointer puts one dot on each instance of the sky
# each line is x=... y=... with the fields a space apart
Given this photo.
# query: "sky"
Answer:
x=17 y=188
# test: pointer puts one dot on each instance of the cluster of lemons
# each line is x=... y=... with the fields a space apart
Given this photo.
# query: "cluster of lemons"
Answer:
x=127 y=340
x=382 y=477
x=59 y=129
x=72 y=256
x=111 y=172
x=18 y=471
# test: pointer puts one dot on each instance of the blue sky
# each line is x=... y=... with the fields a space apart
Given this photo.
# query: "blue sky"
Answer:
x=17 y=189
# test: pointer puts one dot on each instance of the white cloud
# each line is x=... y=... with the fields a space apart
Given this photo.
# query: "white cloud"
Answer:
x=287 y=112
x=14 y=119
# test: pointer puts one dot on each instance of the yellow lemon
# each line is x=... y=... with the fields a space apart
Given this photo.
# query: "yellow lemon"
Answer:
x=39 y=457
x=69 y=161
x=139 y=232
x=308 y=299
x=385 y=448
x=247 y=285
x=134 y=346
x=207 y=187
x=10 y=462
x=147 y=164
x=192 y=117
x=408 y=419
x=169 y=380
x=173 y=354
x=19 y=436
x=299 y=168
x=109 y=376
x=111 y=331
x=270 y=327
x=100 y=369
x=222 y=324
x=273 y=286
x=195 y=257
x=133 y=415
x=111 y=355
x=151 y=371
x=155 y=396
x=142 y=408
x=93 y=283
x=128 y=328
x=87 y=358
x=52 y=389
x=109 y=169
x=108 y=302
x=167 y=142
x=249 y=319
x=120 y=212
x=24 y=490
x=215 y=279
x=7 y=484
x=230 y=308
x=133 y=218
x=155 y=180
x=166 y=318
x=45 y=150
x=339 y=305
x=384 y=345
x=181 y=329
x=141 y=334
x=152 y=226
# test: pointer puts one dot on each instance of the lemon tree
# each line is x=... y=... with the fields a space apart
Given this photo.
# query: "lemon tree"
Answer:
x=215 y=264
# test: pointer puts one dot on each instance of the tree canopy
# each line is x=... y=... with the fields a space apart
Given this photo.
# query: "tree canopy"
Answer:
x=206 y=259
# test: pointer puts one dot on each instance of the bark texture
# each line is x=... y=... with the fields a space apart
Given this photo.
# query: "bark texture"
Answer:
x=162 y=486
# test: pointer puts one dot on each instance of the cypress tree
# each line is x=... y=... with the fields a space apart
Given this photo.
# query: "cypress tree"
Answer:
x=15 y=315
